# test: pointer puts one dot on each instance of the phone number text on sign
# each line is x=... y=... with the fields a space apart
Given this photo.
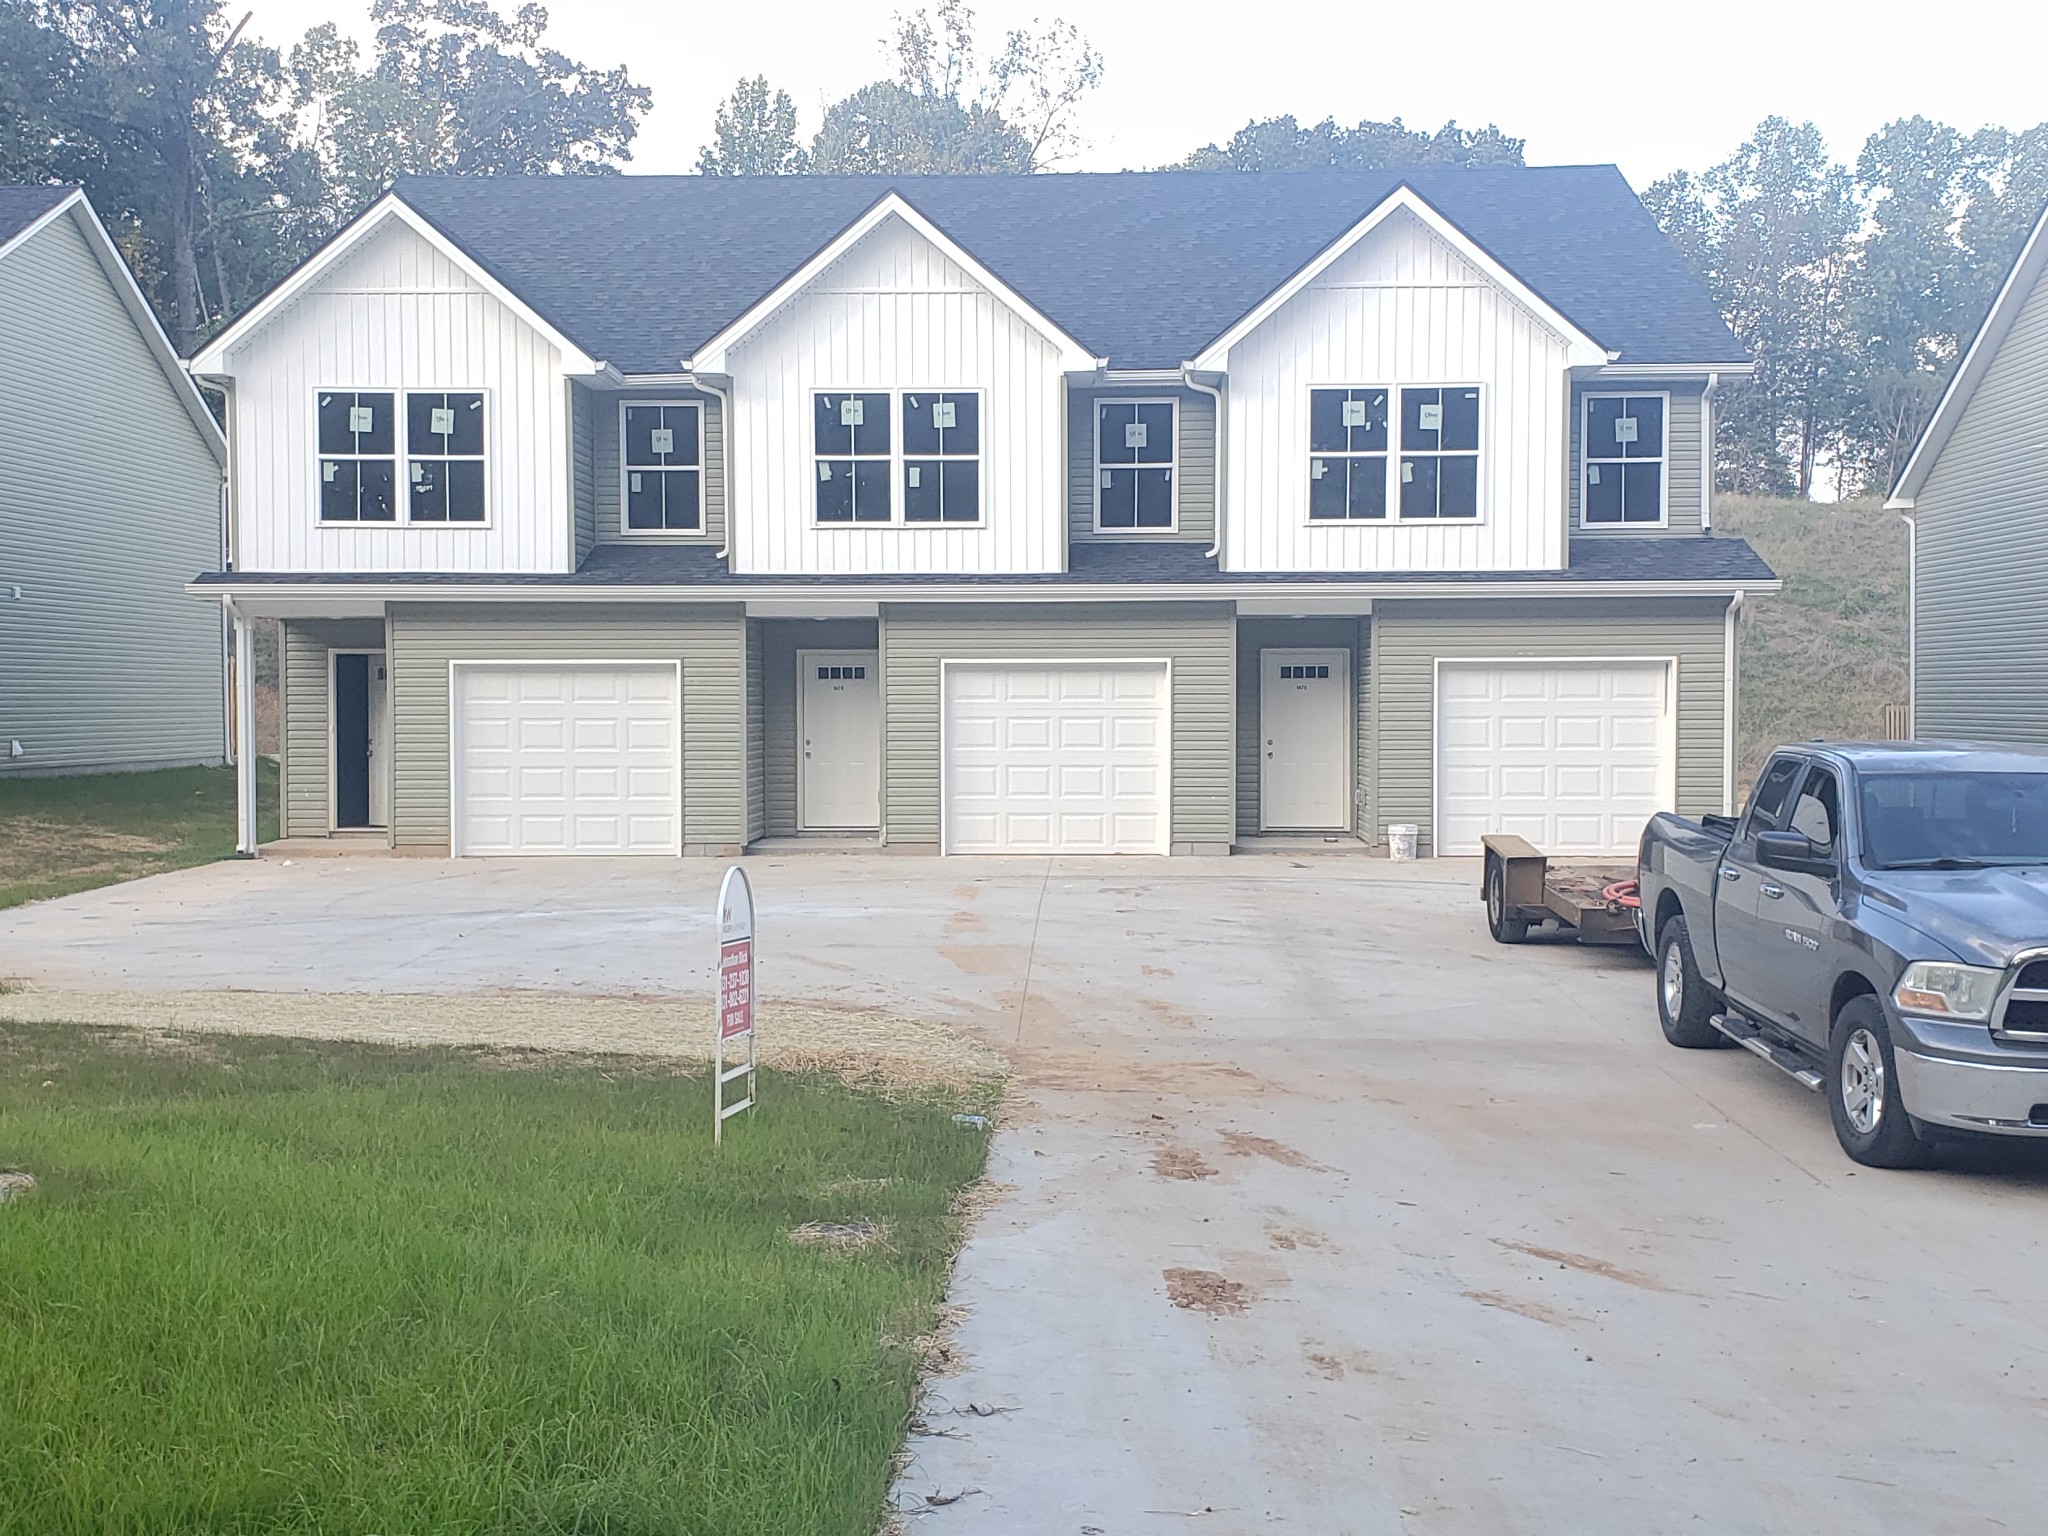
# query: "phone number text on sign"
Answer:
x=735 y=988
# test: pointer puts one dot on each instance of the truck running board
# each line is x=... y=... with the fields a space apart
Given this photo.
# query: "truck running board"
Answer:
x=1750 y=1038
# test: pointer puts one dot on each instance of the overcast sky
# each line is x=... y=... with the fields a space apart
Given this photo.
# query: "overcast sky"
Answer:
x=1648 y=86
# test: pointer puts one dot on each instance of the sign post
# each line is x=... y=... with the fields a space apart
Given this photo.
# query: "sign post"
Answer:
x=735 y=989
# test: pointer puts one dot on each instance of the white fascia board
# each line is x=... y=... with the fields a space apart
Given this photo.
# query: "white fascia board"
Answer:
x=258 y=597
x=1585 y=352
x=1701 y=371
x=713 y=356
x=2005 y=309
x=212 y=358
x=78 y=207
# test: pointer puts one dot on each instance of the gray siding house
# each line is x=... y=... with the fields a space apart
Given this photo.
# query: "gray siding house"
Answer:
x=1131 y=514
x=110 y=502
x=1975 y=494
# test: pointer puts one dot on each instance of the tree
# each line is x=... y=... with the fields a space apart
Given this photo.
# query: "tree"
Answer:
x=754 y=134
x=1282 y=144
x=889 y=129
x=458 y=89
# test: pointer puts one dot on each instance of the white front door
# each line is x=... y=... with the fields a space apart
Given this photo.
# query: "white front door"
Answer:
x=1305 y=740
x=839 y=726
x=1574 y=756
x=1056 y=758
x=567 y=758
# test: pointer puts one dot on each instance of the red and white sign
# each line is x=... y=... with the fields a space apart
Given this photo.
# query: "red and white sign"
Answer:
x=735 y=988
x=735 y=999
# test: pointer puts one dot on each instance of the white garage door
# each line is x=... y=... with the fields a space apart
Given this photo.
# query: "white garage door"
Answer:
x=1573 y=756
x=567 y=759
x=1056 y=759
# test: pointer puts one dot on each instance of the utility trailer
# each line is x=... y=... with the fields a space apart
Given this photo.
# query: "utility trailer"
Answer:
x=1597 y=903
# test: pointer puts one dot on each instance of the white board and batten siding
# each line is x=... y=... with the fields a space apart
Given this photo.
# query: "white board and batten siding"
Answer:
x=896 y=313
x=1401 y=308
x=398 y=314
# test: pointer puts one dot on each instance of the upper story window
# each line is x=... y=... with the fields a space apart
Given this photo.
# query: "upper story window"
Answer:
x=444 y=457
x=942 y=457
x=1624 y=459
x=663 y=466
x=1347 y=446
x=1440 y=452
x=1134 y=446
x=358 y=432
x=854 y=454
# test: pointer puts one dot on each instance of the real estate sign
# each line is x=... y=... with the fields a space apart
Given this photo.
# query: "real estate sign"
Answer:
x=735 y=997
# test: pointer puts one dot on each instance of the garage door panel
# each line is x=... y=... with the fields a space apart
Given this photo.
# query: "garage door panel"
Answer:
x=1042 y=759
x=1573 y=756
x=567 y=759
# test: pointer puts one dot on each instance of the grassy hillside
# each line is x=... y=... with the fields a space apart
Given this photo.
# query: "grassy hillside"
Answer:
x=1824 y=656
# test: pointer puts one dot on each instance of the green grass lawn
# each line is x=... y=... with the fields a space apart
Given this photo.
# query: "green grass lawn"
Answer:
x=271 y=1285
x=60 y=835
x=1824 y=656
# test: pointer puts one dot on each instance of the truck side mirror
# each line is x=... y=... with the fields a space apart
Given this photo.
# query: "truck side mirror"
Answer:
x=1793 y=852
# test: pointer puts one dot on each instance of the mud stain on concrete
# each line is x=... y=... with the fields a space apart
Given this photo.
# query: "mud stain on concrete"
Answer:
x=966 y=922
x=1245 y=1144
x=1156 y=970
x=1292 y=1239
x=1203 y=1290
x=1586 y=1264
x=984 y=959
x=1169 y=1014
x=1535 y=1310
x=1181 y=1163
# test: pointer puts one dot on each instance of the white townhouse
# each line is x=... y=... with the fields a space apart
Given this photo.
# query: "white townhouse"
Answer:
x=1141 y=514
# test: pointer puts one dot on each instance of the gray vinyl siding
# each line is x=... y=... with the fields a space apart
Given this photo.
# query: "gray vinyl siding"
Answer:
x=109 y=504
x=583 y=467
x=1681 y=459
x=757 y=747
x=1195 y=476
x=1259 y=634
x=1409 y=637
x=710 y=642
x=781 y=639
x=1981 y=555
x=304 y=677
x=1199 y=639
x=607 y=422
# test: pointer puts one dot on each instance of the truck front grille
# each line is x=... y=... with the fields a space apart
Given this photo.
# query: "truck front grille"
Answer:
x=2033 y=977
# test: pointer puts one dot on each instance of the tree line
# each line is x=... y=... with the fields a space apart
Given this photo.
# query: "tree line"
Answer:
x=220 y=162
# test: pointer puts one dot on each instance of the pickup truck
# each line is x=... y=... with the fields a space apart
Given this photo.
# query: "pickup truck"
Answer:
x=1875 y=923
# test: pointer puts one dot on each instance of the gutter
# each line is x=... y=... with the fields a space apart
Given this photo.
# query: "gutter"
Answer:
x=722 y=393
x=1215 y=393
x=1912 y=625
x=1731 y=679
x=1707 y=456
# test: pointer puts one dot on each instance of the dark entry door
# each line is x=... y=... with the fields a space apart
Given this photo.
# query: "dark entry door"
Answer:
x=352 y=740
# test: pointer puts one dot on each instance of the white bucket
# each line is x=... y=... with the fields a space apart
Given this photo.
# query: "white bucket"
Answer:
x=1401 y=841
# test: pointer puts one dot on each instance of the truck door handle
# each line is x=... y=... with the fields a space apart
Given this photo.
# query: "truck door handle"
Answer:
x=1731 y=874
x=1772 y=890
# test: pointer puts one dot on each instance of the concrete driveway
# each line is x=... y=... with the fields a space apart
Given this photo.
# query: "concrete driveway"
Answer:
x=1318 y=1211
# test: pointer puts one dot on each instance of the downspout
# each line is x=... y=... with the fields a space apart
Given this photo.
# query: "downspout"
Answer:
x=1912 y=625
x=723 y=395
x=1707 y=454
x=1215 y=393
x=1730 y=680
x=245 y=734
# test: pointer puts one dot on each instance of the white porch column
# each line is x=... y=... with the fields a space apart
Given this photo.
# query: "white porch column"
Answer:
x=245 y=735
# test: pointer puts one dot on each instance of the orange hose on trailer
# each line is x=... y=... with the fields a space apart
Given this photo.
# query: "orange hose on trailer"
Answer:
x=1623 y=893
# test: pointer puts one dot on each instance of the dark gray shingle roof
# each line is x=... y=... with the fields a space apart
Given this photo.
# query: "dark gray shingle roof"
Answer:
x=22 y=206
x=1646 y=558
x=1144 y=268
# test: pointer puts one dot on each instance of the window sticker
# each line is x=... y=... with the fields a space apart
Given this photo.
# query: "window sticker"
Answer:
x=943 y=413
x=851 y=413
x=441 y=421
x=1134 y=434
x=1432 y=418
x=1624 y=429
x=1354 y=413
x=361 y=418
x=661 y=440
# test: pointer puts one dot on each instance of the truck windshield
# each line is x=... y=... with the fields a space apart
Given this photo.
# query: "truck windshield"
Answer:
x=1954 y=820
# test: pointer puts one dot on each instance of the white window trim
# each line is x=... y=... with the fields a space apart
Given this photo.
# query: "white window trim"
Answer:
x=1387 y=455
x=1172 y=466
x=1663 y=459
x=702 y=530
x=402 y=454
x=897 y=456
x=1394 y=519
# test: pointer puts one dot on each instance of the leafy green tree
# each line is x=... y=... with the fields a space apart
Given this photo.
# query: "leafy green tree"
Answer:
x=888 y=129
x=754 y=134
x=1282 y=144
x=457 y=88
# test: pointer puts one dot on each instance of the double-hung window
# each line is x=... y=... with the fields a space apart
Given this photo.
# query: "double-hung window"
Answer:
x=664 y=466
x=444 y=456
x=854 y=457
x=941 y=457
x=1347 y=454
x=1134 y=464
x=358 y=432
x=1624 y=478
x=1440 y=453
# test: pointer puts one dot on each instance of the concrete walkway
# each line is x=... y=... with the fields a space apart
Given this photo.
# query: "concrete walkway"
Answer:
x=1321 y=1212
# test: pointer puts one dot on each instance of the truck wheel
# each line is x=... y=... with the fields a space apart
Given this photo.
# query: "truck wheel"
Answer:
x=1685 y=1003
x=1505 y=929
x=1863 y=1091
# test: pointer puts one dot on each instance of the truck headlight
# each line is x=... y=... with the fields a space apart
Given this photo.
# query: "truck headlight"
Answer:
x=1954 y=991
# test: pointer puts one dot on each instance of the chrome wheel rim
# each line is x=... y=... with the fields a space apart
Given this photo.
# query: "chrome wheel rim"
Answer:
x=1674 y=981
x=1494 y=901
x=1863 y=1081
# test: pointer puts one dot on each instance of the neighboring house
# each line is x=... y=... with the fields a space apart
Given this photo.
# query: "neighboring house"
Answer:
x=1137 y=513
x=1975 y=495
x=110 y=502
